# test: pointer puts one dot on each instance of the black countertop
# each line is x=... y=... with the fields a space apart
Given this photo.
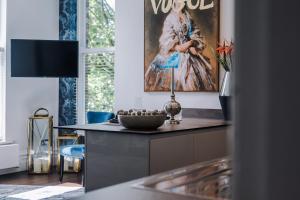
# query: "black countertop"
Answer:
x=125 y=191
x=185 y=125
x=129 y=191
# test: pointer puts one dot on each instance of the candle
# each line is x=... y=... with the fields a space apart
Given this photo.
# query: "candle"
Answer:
x=66 y=165
x=37 y=165
x=45 y=164
x=76 y=165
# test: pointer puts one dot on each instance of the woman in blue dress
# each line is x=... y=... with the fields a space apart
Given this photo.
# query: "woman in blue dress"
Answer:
x=181 y=46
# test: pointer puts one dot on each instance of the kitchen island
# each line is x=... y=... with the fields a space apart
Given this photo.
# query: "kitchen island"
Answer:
x=115 y=154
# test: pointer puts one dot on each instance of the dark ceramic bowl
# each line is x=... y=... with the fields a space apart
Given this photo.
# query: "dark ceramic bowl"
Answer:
x=142 y=122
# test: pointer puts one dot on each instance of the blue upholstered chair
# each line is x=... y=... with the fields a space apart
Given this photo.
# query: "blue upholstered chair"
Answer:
x=99 y=117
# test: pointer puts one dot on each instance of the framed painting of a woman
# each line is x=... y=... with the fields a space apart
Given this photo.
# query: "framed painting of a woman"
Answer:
x=181 y=34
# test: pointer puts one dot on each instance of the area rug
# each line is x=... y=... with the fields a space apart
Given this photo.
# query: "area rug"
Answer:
x=28 y=192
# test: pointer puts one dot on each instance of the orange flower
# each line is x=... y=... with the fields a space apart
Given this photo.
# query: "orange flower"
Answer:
x=229 y=48
x=224 y=53
x=221 y=48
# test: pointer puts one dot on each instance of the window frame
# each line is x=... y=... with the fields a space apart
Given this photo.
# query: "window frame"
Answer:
x=2 y=68
x=83 y=51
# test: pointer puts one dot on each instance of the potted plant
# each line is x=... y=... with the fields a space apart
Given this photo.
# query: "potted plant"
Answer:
x=224 y=57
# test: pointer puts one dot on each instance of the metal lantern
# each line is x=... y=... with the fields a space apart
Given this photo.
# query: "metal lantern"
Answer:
x=40 y=142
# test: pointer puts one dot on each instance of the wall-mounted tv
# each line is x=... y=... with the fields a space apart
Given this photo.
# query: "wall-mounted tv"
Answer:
x=44 y=58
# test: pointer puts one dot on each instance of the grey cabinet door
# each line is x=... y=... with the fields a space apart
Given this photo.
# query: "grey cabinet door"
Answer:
x=210 y=144
x=178 y=151
x=171 y=153
x=114 y=158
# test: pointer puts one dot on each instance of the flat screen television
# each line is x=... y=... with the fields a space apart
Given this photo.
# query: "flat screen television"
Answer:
x=44 y=58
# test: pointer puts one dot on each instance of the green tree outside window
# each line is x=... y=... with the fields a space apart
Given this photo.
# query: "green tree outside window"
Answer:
x=100 y=34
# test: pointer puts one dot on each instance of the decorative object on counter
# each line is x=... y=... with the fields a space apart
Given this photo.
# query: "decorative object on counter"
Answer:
x=40 y=142
x=224 y=56
x=114 y=120
x=172 y=107
x=142 y=119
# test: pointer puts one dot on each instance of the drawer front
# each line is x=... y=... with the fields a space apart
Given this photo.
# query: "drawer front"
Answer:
x=193 y=147
x=171 y=153
x=114 y=158
x=210 y=145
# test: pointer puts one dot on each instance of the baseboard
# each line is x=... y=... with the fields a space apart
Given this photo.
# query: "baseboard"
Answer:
x=10 y=171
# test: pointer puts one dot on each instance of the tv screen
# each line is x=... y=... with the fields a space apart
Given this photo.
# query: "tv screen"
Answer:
x=44 y=58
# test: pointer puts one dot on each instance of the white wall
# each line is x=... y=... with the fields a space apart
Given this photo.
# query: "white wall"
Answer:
x=129 y=68
x=29 y=19
x=2 y=64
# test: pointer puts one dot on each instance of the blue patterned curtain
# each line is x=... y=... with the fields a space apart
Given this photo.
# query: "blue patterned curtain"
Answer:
x=67 y=86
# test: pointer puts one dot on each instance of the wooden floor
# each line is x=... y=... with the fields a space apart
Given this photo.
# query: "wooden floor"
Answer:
x=22 y=178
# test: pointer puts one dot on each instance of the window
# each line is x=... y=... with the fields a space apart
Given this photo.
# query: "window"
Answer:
x=2 y=66
x=97 y=41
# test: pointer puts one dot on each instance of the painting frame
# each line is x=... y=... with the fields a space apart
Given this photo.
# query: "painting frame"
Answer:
x=213 y=47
